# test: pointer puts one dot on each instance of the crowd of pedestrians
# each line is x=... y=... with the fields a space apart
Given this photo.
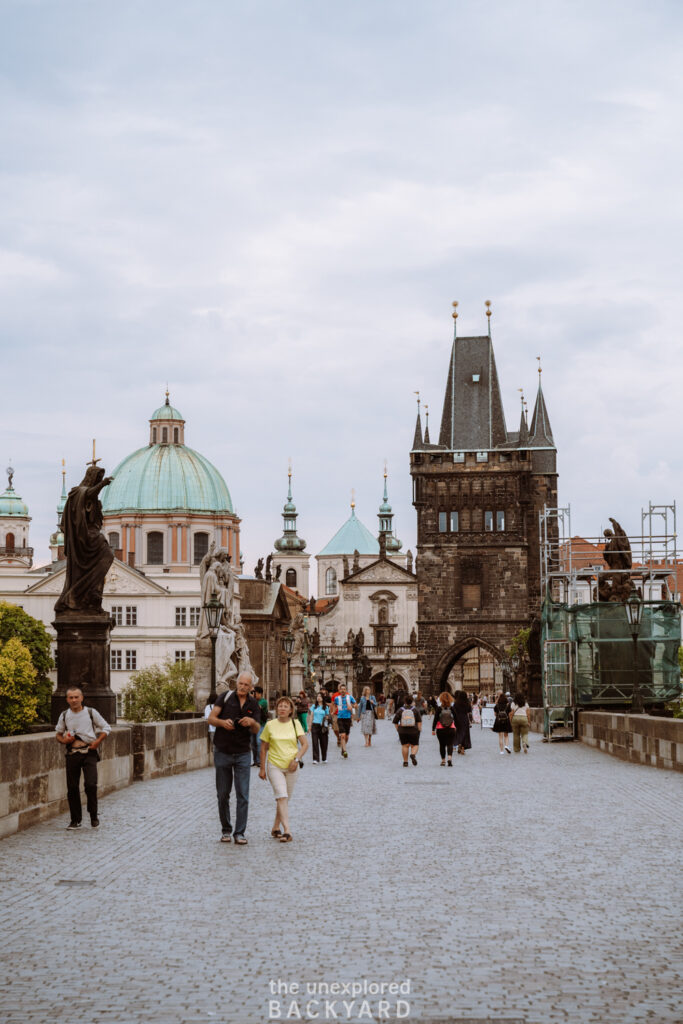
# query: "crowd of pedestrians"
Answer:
x=244 y=735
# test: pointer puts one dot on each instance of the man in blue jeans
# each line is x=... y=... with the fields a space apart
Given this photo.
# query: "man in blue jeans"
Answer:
x=236 y=717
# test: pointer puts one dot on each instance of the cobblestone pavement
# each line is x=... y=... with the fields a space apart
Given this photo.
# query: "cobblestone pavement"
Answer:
x=540 y=888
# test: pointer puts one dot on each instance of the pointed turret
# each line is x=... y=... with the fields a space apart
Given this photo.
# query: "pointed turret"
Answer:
x=386 y=528
x=417 y=439
x=523 y=428
x=57 y=538
x=541 y=436
x=427 y=440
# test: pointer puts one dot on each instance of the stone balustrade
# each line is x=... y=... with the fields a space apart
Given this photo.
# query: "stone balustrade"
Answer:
x=33 y=780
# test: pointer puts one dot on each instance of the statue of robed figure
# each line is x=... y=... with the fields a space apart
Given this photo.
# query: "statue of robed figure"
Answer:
x=88 y=555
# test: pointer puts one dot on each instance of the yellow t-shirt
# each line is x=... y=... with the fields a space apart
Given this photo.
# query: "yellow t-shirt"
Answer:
x=282 y=744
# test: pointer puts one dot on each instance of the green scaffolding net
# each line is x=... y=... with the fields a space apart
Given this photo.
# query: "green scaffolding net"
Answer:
x=590 y=657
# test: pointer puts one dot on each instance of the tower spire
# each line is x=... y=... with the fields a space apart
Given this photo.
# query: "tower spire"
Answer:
x=417 y=438
x=386 y=518
x=540 y=432
x=289 y=541
x=427 y=441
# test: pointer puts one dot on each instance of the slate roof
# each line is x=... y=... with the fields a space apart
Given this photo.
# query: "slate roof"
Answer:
x=473 y=416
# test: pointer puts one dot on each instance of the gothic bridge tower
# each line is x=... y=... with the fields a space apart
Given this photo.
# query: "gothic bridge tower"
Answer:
x=478 y=494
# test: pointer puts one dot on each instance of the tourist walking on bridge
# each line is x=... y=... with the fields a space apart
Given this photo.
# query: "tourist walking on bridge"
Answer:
x=236 y=716
x=345 y=704
x=520 y=717
x=501 y=723
x=283 y=745
x=367 y=712
x=81 y=730
x=443 y=727
x=461 y=713
x=320 y=729
x=408 y=722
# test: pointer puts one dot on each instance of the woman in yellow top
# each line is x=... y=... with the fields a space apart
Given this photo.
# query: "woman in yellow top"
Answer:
x=283 y=744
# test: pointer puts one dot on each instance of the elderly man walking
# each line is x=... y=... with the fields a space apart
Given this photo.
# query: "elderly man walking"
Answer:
x=237 y=718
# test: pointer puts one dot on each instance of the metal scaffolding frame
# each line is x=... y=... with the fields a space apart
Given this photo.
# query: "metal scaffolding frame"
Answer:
x=576 y=574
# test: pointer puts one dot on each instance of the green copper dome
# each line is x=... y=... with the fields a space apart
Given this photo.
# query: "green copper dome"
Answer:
x=165 y=478
x=166 y=412
x=11 y=504
x=350 y=537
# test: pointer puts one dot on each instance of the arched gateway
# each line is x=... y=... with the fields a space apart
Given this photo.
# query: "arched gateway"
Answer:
x=481 y=673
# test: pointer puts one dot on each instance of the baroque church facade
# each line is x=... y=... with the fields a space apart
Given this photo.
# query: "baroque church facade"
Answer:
x=478 y=492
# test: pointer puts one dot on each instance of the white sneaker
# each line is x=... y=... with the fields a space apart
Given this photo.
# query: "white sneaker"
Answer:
x=502 y=752
x=314 y=763
x=325 y=761
x=507 y=750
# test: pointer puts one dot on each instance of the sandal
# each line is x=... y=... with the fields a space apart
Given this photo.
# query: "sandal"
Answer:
x=275 y=833
x=443 y=764
x=285 y=837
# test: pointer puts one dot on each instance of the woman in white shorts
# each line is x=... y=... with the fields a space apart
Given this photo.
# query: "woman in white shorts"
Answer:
x=283 y=744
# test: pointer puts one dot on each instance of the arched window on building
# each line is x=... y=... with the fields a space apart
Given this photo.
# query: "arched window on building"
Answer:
x=155 y=548
x=201 y=546
x=175 y=435
x=9 y=542
x=331 y=581
x=290 y=578
x=114 y=540
x=154 y=435
x=164 y=435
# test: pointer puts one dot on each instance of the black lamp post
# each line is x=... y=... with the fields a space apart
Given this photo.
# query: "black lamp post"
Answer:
x=505 y=668
x=213 y=610
x=346 y=673
x=634 y=616
x=322 y=660
x=333 y=666
x=288 y=647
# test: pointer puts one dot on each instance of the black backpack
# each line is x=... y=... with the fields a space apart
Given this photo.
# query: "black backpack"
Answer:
x=446 y=718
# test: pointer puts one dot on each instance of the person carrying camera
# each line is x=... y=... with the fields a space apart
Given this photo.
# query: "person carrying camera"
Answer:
x=81 y=730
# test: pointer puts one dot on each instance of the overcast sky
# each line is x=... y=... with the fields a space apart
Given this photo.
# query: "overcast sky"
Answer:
x=271 y=206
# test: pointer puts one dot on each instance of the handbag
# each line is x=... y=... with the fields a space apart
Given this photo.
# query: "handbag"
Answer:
x=296 y=737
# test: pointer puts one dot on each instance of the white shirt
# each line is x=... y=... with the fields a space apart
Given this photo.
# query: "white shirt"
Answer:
x=79 y=723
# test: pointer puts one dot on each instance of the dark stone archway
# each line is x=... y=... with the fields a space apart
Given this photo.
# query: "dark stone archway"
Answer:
x=448 y=659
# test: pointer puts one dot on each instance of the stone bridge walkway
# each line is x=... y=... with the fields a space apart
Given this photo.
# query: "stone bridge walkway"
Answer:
x=540 y=889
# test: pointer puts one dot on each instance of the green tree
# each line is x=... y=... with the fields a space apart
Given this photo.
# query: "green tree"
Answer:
x=519 y=644
x=18 y=700
x=153 y=693
x=15 y=622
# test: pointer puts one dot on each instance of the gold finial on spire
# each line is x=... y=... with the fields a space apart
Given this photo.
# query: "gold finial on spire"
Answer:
x=167 y=394
x=418 y=399
x=521 y=395
x=540 y=368
x=455 y=310
x=385 y=469
x=427 y=413
x=488 y=307
x=353 y=497
x=289 y=467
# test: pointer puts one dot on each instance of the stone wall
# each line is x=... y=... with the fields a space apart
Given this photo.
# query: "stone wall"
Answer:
x=643 y=739
x=33 y=780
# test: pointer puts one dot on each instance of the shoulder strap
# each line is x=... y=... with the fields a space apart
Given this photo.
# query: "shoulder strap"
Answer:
x=92 y=720
x=62 y=718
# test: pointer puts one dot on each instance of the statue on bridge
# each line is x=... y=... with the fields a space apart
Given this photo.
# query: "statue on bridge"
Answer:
x=617 y=586
x=88 y=555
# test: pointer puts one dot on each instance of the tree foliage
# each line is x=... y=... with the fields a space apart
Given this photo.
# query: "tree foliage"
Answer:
x=153 y=693
x=15 y=622
x=519 y=644
x=18 y=700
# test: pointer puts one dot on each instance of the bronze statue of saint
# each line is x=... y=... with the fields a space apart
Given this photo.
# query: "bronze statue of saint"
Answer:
x=617 y=551
x=88 y=555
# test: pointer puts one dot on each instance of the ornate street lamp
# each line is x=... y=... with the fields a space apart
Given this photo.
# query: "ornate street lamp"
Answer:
x=634 y=617
x=515 y=662
x=333 y=666
x=288 y=647
x=505 y=668
x=322 y=661
x=213 y=609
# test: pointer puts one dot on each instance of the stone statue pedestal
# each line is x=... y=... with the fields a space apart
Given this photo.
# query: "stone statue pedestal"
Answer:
x=202 y=672
x=83 y=660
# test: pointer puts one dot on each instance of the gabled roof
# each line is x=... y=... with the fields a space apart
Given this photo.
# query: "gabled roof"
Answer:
x=473 y=416
x=352 y=536
x=381 y=569
x=121 y=579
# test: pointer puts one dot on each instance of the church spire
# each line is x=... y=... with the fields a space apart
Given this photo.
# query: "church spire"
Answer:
x=427 y=441
x=541 y=435
x=289 y=541
x=386 y=519
x=523 y=426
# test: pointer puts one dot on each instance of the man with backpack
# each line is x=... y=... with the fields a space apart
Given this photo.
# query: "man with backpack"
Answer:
x=408 y=722
x=81 y=730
